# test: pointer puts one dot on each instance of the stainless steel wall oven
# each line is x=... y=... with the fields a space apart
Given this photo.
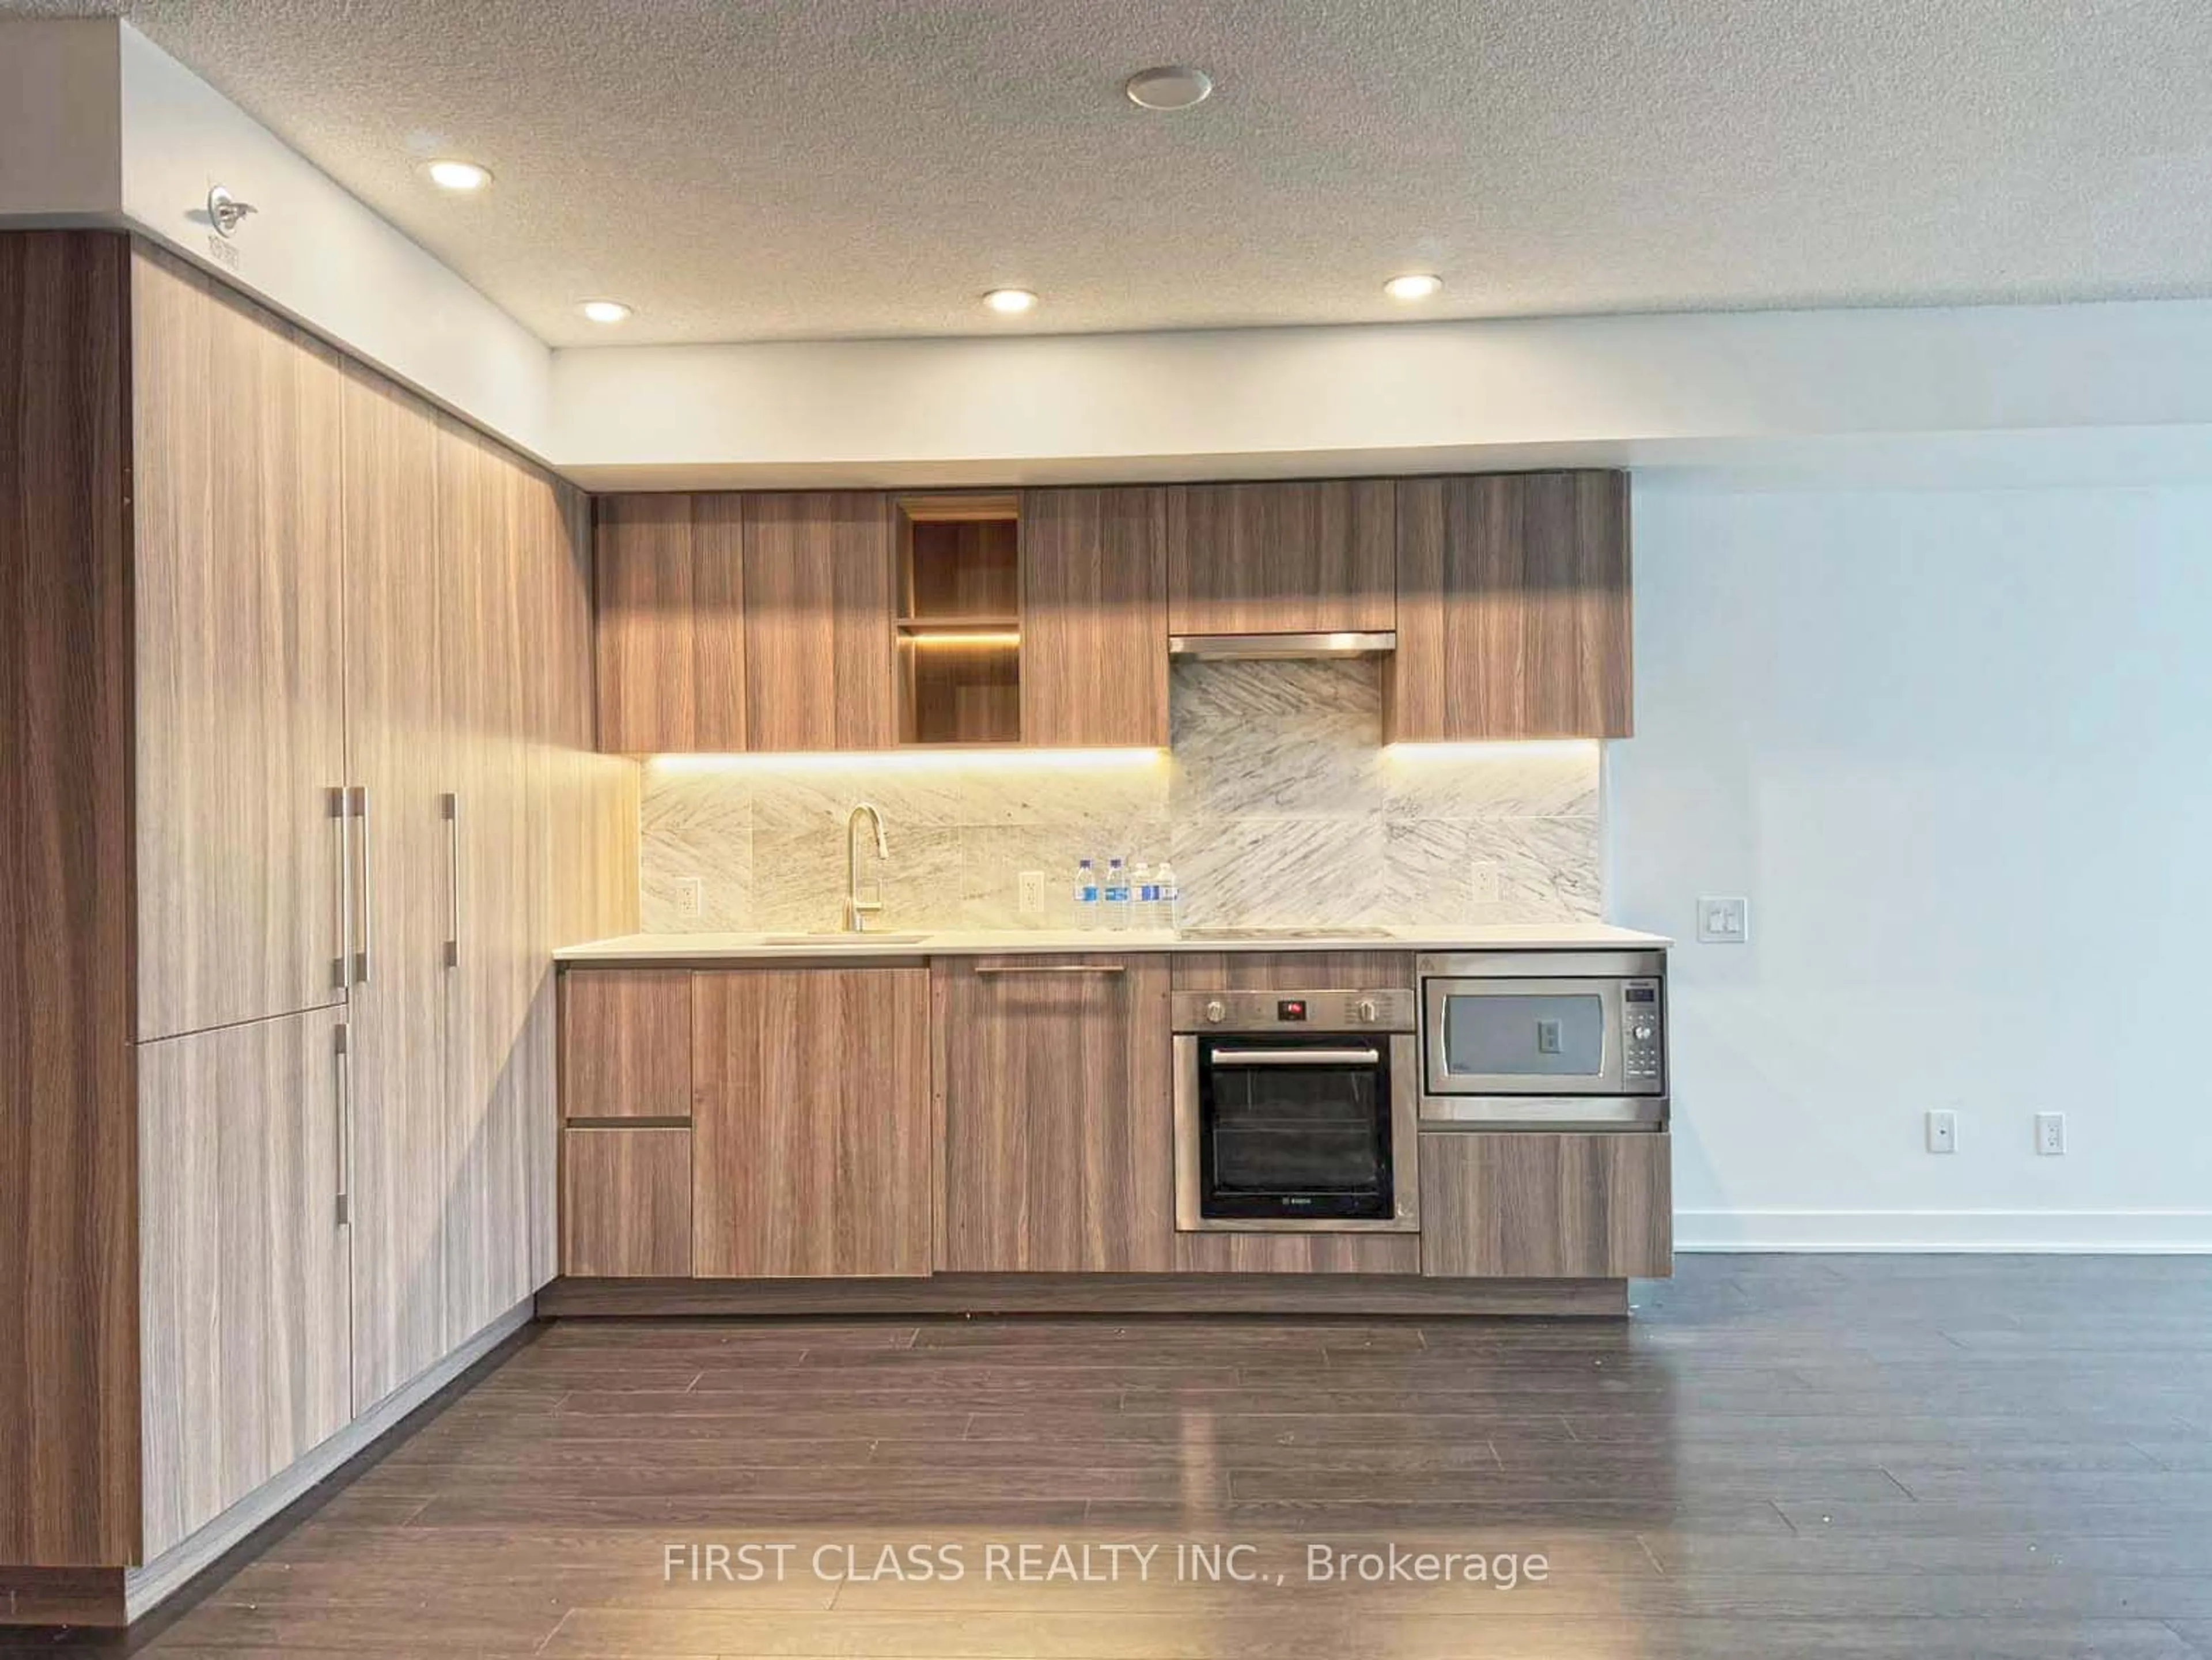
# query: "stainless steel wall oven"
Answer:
x=1296 y=1111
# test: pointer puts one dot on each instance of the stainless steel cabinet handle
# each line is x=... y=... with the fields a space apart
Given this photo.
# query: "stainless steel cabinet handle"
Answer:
x=345 y=1129
x=343 y=968
x=1297 y=1058
x=451 y=806
x=364 y=890
x=1052 y=967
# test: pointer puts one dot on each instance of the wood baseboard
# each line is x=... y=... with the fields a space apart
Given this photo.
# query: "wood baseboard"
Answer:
x=1087 y=1293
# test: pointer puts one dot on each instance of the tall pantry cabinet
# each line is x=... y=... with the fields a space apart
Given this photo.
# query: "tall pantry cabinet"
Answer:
x=305 y=797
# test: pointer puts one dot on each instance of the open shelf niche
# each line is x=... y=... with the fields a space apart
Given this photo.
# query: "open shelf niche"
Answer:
x=960 y=619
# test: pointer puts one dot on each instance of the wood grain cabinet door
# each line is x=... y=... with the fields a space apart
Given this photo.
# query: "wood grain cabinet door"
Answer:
x=1513 y=609
x=1094 y=617
x=819 y=621
x=810 y=1122
x=238 y=595
x=671 y=634
x=1316 y=557
x=243 y=1261
x=1057 y=1114
x=1534 y=1204
x=396 y=763
x=626 y=1203
x=626 y=1043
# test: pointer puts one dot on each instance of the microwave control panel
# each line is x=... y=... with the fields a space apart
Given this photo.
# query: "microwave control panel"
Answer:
x=1643 y=1034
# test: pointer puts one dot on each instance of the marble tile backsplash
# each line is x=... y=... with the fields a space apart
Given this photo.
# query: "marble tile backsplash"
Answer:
x=1277 y=803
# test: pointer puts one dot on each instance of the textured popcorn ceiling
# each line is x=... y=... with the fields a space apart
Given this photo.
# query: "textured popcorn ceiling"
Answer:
x=745 y=171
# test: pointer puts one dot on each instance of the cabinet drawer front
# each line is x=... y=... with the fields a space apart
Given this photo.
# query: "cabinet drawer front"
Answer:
x=625 y=1043
x=1540 y=1205
x=626 y=1203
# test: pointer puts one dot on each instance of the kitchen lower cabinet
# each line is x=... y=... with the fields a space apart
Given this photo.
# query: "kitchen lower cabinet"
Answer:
x=625 y=1043
x=1540 y=1204
x=626 y=1203
x=810 y=1122
x=244 y=1261
x=1055 y=1075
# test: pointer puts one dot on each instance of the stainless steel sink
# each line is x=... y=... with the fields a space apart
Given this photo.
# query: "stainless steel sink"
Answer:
x=844 y=940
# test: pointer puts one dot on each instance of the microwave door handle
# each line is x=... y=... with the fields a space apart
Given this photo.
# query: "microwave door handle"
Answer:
x=1296 y=1057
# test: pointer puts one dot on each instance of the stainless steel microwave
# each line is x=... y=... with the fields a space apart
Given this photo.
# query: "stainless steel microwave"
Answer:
x=1544 y=1040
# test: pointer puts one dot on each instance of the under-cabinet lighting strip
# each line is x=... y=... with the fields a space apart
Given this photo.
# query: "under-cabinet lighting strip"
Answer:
x=1012 y=755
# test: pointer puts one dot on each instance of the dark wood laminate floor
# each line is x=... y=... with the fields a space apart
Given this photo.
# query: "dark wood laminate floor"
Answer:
x=2008 y=1458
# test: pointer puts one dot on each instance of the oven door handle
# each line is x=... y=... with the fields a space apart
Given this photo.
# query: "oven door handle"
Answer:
x=1296 y=1057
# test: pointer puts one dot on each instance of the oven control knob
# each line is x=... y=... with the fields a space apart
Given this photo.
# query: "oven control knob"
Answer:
x=1643 y=1034
x=1217 y=1010
x=1366 y=1011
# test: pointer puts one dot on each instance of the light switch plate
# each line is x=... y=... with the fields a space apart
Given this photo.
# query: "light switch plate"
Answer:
x=1485 y=886
x=690 y=896
x=1723 y=919
x=1032 y=895
x=1942 y=1132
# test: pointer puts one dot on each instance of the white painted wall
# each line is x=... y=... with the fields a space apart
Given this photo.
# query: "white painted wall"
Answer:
x=1667 y=389
x=316 y=252
x=1954 y=744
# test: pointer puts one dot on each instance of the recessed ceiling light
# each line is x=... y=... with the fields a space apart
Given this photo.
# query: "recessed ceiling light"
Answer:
x=461 y=176
x=1010 y=301
x=1414 y=285
x=604 y=311
x=1172 y=87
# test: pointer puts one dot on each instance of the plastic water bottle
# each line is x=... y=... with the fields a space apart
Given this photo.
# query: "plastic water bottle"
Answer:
x=1168 y=910
x=1117 y=894
x=1086 y=895
x=1143 y=896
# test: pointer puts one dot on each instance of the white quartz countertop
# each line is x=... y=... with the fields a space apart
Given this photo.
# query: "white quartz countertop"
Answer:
x=649 y=949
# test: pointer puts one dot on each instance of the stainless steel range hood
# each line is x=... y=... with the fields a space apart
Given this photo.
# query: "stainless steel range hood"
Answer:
x=1223 y=646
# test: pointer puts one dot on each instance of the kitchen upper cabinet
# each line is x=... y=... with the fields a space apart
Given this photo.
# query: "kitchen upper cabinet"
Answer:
x=1530 y=1204
x=1056 y=1115
x=819 y=622
x=1094 y=617
x=810 y=1122
x=1305 y=557
x=244 y=1257
x=1513 y=609
x=671 y=630
x=238 y=595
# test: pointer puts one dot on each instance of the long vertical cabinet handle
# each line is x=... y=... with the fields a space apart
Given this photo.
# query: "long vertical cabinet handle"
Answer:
x=343 y=970
x=365 y=888
x=452 y=810
x=346 y=1127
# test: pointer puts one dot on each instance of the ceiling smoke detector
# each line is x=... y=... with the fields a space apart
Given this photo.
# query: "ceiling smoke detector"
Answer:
x=1173 y=87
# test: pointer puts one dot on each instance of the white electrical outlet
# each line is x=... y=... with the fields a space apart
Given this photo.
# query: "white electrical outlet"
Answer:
x=1483 y=881
x=690 y=896
x=1942 y=1132
x=1723 y=919
x=2051 y=1133
x=1032 y=895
